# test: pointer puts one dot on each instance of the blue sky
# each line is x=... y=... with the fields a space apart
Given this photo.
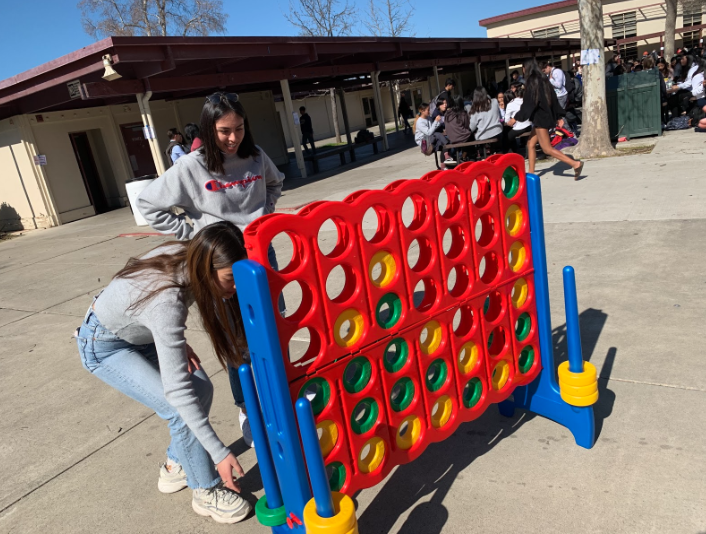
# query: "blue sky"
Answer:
x=37 y=31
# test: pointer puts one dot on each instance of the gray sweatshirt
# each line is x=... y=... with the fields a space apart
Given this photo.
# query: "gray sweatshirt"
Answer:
x=249 y=189
x=161 y=321
x=486 y=124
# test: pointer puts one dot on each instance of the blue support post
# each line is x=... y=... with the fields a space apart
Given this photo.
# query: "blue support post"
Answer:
x=314 y=459
x=262 y=450
x=573 y=333
x=542 y=395
x=272 y=386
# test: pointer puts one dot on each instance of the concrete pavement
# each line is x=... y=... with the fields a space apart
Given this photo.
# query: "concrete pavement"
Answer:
x=76 y=456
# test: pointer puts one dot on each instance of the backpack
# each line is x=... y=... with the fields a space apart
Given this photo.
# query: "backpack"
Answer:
x=560 y=134
x=427 y=146
x=578 y=93
x=678 y=123
x=570 y=86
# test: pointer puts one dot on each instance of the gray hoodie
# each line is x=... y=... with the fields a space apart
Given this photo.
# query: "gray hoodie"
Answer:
x=249 y=189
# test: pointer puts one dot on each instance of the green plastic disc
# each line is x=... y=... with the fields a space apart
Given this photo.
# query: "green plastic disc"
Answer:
x=268 y=517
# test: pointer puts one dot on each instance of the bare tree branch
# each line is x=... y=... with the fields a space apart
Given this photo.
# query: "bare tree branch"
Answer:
x=322 y=17
x=102 y=18
x=390 y=19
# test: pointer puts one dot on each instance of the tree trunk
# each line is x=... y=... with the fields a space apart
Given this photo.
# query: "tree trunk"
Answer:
x=334 y=112
x=595 y=137
x=670 y=25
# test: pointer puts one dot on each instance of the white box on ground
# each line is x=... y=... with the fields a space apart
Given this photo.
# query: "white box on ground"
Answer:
x=134 y=187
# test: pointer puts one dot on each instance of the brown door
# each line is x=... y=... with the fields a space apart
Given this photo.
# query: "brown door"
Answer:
x=89 y=171
x=138 y=149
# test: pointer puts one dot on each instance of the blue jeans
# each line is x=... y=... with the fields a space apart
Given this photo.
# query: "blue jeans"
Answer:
x=134 y=371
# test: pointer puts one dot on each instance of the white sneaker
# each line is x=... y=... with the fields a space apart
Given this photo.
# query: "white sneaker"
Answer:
x=222 y=504
x=172 y=477
x=245 y=427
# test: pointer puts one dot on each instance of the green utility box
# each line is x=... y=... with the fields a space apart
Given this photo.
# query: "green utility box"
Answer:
x=634 y=105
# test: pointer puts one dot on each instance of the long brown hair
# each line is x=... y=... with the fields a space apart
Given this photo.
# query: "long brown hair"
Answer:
x=191 y=266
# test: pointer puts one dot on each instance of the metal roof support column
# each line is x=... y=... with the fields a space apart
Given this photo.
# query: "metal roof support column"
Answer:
x=375 y=77
x=479 y=81
x=293 y=130
x=394 y=106
x=146 y=113
x=507 y=72
x=344 y=113
x=436 y=78
x=459 y=85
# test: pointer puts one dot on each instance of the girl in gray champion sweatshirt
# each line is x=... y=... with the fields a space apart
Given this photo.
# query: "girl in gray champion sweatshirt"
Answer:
x=228 y=179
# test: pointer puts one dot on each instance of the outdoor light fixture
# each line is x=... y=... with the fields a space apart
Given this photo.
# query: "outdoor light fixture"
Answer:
x=110 y=73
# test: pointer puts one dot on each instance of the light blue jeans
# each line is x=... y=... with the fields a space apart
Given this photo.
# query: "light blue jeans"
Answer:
x=134 y=371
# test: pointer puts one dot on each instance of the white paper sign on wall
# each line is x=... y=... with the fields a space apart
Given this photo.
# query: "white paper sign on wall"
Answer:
x=590 y=56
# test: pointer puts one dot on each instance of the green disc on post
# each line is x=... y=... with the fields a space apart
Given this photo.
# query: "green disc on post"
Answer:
x=268 y=517
x=357 y=374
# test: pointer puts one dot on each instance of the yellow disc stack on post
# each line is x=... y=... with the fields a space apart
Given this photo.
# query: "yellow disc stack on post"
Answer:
x=344 y=522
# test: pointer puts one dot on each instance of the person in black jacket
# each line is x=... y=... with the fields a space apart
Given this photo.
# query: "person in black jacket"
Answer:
x=307 y=130
x=540 y=105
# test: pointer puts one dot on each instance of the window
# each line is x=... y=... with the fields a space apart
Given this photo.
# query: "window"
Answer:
x=691 y=18
x=628 y=51
x=624 y=25
x=546 y=33
x=691 y=39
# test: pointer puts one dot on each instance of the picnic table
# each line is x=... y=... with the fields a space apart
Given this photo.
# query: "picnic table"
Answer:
x=340 y=151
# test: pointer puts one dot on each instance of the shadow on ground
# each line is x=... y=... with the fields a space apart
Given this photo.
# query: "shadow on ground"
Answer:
x=435 y=471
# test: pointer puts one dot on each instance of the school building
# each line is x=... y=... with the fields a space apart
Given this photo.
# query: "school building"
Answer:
x=637 y=26
x=73 y=130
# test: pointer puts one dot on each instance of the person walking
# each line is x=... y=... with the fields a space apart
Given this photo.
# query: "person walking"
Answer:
x=541 y=106
x=132 y=338
x=175 y=149
x=405 y=113
x=307 y=130
x=229 y=178
x=558 y=80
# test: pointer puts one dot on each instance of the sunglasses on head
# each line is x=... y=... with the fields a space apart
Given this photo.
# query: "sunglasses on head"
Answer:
x=217 y=98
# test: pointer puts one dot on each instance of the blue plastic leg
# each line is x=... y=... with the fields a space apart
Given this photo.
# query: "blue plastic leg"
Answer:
x=542 y=395
x=272 y=386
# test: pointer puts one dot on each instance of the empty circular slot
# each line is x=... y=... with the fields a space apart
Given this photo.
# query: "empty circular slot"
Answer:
x=336 y=473
x=510 y=182
x=348 y=328
x=304 y=346
x=458 y=280
x=375 y=224
x=388 y=311
x=318 y=391
x=430 y=337
x=357 y=374
x=408 y=432
x=364 y=416
x=341 y=283
x=425 y=293
x=454 y=242
x=328 y=436
x=481 y=191
x=468 y=357
x=517 y=257
x=520 y=292
x=497 y=342
x=494 y=306
x=514 y=220
x=396 y=354
x=488 y=268
x=449 y=201
x=332 y=238
x=501 y=373
x=523 y=326
x=526 y=359
x=371 y=455
x=485 y=230
x=293 y=294
x=284 y=252
x=402 y=394
x=437 y=373
x=441 y=411
x=463 y=320
x=414 y=212
x=472 y=392
x=382 y=269
x=419 y=254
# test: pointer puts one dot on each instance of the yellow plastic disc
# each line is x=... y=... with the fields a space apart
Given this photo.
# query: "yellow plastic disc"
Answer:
x=579 y=401
x=467 y=357
x=579 y=391
x=520 y=292
x=501 y=373
x=388 y=268
x=433 y=339
x=585 y=378
x=517 y=256
x=408 y=432
x=328 y=436
x=513 y=220
x=441 y=411
x=343 y=522
x=356 y=325
x=371 y=455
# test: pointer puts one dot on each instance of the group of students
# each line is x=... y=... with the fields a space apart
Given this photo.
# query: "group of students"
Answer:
x=181 y=144
x=682 y=85
x=535 y=103
x=133 y=334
